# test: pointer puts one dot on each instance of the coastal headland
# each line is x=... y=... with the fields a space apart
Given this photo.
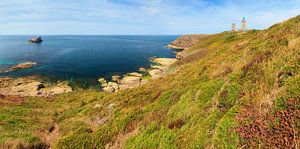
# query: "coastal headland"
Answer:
x=235 y=89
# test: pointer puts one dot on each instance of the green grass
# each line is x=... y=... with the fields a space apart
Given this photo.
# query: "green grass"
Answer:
x=219 y=76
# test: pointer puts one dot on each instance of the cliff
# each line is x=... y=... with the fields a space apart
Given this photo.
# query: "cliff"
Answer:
x=186 y=41
x=230 y=90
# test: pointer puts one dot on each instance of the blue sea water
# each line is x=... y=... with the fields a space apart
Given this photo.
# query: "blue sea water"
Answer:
x=82 y=57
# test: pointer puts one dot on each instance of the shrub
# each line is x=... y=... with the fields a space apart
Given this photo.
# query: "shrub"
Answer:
x=176 y=124
x=277 y=129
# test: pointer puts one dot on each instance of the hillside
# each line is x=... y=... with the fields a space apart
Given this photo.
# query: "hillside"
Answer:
x=185 y=41
x=230 y=90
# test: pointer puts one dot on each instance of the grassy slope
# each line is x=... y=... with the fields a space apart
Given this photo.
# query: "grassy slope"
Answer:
x=201 y=98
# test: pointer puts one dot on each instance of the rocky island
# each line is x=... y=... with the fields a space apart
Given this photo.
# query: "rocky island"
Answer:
x=36 y=40
x=25 y=65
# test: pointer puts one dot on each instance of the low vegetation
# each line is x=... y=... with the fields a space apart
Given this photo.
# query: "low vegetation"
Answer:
x=231 y=90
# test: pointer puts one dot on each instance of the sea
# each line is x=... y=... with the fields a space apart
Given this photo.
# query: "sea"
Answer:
x=81 y=60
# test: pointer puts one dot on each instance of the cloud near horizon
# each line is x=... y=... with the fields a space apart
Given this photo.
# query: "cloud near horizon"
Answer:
x=130 y=17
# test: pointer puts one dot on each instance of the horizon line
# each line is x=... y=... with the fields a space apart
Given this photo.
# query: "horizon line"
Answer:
x=93 y=34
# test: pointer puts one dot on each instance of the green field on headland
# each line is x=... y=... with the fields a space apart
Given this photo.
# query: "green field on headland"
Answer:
x=228 y=90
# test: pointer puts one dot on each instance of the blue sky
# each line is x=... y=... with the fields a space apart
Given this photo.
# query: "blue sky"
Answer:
x=146 y=17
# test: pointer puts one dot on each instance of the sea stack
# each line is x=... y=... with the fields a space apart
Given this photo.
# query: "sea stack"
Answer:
x=36 y=40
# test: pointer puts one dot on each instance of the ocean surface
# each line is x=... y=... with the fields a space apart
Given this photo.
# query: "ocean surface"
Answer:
x=82 y=59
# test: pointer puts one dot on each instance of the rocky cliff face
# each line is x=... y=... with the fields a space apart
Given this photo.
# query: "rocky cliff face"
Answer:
x=185 y=41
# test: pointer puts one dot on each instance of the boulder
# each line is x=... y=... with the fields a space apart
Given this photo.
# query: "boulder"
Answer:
x=58 y=89
x=116 y=78
x=108 y=89
x=135 y=74
x=102 y=82
x=30 y=89
x=130 y=82
x=142 y=69
x=113 y=85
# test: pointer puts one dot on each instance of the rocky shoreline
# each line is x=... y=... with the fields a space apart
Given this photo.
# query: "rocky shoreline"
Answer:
x=136 y=79
x=157 y=70
x=34 y=86
x=30 y=86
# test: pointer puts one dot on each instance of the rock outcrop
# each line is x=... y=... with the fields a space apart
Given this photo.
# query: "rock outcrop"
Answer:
x=156 y=73
x=111 y=87
x=185 y=41
x=162 y=64
x=142 y=69
x=36 y=40
x=57 y=89
x=102 y=82
x=30 y=87
x=135 y=79
x=116 y=78
x=135 y=74
x=131 y=80
x=108 y=89
x=21 y=66
x=165 y=62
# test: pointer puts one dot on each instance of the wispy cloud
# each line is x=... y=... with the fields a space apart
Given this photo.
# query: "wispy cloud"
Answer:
x=139 y=16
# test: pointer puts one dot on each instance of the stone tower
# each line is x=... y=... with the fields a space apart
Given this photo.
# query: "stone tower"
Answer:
x=243 y=24
x=233 y=27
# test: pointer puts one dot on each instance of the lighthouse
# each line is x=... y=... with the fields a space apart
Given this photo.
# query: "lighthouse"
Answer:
x=243 y=28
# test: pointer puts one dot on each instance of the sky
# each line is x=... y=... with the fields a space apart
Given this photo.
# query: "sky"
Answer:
x=139 y=17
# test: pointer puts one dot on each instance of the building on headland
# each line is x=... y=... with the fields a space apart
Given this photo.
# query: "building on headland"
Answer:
x=243 y=26
x=233 y=27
